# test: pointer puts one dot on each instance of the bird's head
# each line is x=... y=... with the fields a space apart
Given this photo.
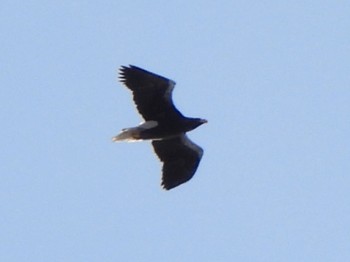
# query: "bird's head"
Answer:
x=201 y=121
x=195 y=122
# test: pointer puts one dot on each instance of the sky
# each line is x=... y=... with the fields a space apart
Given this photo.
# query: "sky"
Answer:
x=271 y=77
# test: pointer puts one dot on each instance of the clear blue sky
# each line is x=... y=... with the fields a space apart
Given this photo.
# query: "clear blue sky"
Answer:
x=272 y=78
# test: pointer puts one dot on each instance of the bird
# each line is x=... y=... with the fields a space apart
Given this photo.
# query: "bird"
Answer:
x=164 y=125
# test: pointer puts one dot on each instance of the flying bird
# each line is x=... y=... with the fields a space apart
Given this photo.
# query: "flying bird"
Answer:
x=163 y=124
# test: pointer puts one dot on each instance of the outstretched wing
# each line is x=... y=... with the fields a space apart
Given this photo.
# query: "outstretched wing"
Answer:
x=152 y=93
x=180 y=157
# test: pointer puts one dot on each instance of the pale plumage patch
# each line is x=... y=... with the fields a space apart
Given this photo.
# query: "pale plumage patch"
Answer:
x=133 y=134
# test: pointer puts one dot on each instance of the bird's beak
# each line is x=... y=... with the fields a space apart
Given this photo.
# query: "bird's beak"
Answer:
x=204 y=121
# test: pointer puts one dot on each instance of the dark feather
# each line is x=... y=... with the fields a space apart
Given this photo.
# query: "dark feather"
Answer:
x=152 y=93
x=180 y=157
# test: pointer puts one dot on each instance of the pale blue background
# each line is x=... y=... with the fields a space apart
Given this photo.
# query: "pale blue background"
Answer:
x=272 y=78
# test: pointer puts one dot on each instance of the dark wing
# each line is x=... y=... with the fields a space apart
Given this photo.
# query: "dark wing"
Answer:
x=152 y=93
x=180 y=157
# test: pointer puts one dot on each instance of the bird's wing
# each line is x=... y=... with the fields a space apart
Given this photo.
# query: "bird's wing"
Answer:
x=180 y=157
x=152 y=93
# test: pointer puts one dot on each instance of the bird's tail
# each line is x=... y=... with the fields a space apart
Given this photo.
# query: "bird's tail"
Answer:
x=128 y=134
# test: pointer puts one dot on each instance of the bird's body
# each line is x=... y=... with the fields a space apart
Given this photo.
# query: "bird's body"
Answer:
x=164 y=125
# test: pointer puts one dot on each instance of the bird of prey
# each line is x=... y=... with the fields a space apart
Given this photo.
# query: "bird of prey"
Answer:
x=163 y=124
